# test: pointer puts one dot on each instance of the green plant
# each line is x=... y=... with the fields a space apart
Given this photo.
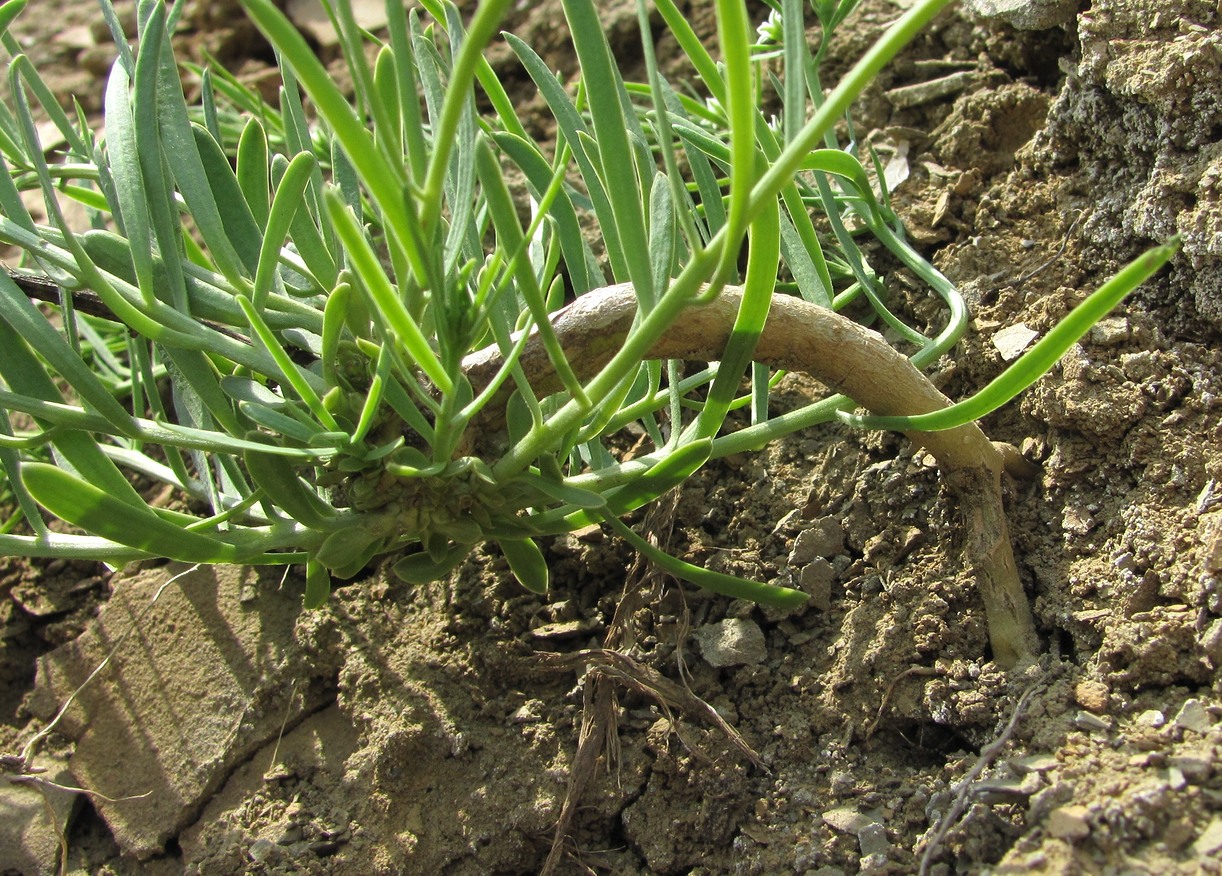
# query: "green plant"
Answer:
x=362 y=334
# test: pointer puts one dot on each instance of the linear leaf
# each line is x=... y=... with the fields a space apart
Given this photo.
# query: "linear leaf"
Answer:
x=97 y=512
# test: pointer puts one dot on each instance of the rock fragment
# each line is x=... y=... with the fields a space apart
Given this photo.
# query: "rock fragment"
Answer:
x=823 y=538
x=1025 y=14
x=732 y=642
x=1193 y=716
x=29 y=841
x=1210 y=841
x=202 y=681
x=1012 y=340
x=1069 y=822
x=847 y=819
x=1091 y=695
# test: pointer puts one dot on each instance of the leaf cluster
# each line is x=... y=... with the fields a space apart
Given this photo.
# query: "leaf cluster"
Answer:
x=289 y=293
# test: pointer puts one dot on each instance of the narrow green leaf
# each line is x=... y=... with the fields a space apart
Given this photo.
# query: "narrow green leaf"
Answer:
x=414 y=141
x=10 y=11
x=1033 y=364
x=582 y=267
x=123 y=162
x=763 y=261
x=83 y=505
x=716 y=582
x=734 y=32
x=276 y=476
x=234 y=229
x=289 y=370
x=672 y=470
x=284 y=208
x=387 y=182
x=253 y=169
x=318 y=585
x=30 y=326
x=606 y=97
x=484 y=22
x=373 y=280
x=575 y=134
x=566 y=493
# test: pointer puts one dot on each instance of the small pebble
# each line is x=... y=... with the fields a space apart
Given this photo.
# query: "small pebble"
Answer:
x=842 y=783
x=260 y=849
x=823 y=538
x=1032 y=763
x=1069 y=822
x=528 y=713
x=846 y=819
x=816 y=579
x=1210 y=642
x=873 y=841
x=1193 y=716
x=289 y=835
x=1195 y=768
x=1012 y=340
x=1091 y=695
x=995 y=791
x=735 y=641
x=1091 y=723
x=1110 y=331
x=1151 y=718
x=873 y=864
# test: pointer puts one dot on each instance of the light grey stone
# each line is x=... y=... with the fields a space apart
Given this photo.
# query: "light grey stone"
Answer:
x=1024 y=14
x=1193 y=716
x=733 y=642
x=873 y=840
x=204 y=682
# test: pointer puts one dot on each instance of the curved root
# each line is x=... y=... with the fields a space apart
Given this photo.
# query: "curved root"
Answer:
x=842 y=355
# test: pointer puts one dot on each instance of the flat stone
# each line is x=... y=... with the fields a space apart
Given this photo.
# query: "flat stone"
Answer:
x=994 y=791
x=1210 y=840
x=873 y=840
x=29 y=840
x=1210 y=530
x=1069 y=822
x=1210 y=642
x=1151 y=718
x=1032 y=763
x=1195 y=767
x=847 y=819
x=816 y=579
x=732 y=642
x=203 y=681
x=823 y=538
x=908 y=96
x=1193 y=716
x=1025 y=14
x=1091 y=723
x=1110 y=331
x=1012 y=340
x=317 y=748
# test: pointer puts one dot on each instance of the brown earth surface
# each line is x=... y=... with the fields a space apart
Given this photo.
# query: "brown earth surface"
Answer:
x=441 y=729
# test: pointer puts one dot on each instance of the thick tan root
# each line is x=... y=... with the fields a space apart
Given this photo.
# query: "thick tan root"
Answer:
x=844 y=356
